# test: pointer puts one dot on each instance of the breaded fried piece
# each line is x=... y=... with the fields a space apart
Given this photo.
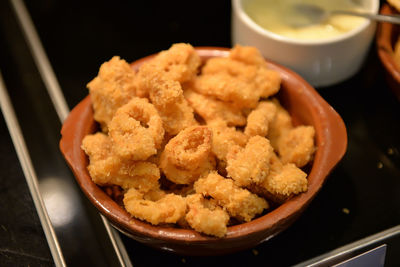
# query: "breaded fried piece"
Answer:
x=167 y=96
x=179 y=63
x=259 y=119
x=168 y=209
x=205 y=219
x=184 y=176
x=267 y=81
x=154 y=194
x=289 y=181
x=112 y=88
x=136 y=130
x=230 y=66
x=297 y=145
x=211 y=109
x=224 y=138
x=227 y=88
x=282 y=182
x=187 y=156
x=250 y=164
x=263 y=80
x=105 y=168
x=238 y=202
x=280 y=125
x=247 y=54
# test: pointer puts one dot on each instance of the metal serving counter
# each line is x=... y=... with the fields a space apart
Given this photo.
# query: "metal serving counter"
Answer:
x=49 y=50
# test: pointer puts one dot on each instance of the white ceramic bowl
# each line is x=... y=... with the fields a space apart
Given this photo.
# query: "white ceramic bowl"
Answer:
x=321 y=62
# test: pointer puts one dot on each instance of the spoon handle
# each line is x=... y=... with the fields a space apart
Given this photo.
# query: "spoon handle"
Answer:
x=395 y=19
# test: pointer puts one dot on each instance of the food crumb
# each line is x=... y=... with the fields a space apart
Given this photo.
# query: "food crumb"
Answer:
x=380 y=165
x=346 y=210
x=255 y=252
x=183 y=260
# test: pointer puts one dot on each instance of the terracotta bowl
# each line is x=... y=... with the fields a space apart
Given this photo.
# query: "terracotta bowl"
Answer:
x=306 y=107
x=386 y=38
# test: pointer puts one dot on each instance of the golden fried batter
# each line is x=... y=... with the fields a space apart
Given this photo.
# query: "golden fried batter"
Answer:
x=259 y=119
x=105 y=168
x=280 y=125
x=136 y=130
x=224 y=138
x=247 y=54
x=227 y=88
x=264 y=82
x=288 y=181
x=211 y=109
x=250 y=164
x=297 y=145
x=205 y=219
x=187 y=156
x=179 y=63
x=167 y=96
x=112 y=88
x=238 y=202
x=168 y=209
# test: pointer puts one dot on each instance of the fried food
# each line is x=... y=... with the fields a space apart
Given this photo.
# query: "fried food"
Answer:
x=187 y=156
x=224 y=138
x=238 y=202
x=168 y=209
x=198 y=146
x=179 y=63
x=205 y=216
x=280 y=125
x=227 y=88
x=167 y=96
x=112 y=88
x=241 y=79
x=264 y=81
x=249 y=164
x=248 y=55
x=259 y=119
x=297 y=145
x=282 y=182
x=105 y=168
x=210 y=109
x=290 y=180
x=136 y=130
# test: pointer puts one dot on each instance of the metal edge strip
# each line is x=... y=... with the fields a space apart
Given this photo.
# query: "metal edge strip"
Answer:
x=57 y=97
x=325 y=258
x=29 y=173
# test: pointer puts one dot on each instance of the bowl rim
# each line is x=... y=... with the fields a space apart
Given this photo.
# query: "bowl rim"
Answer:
x=325 y=160
x=242 y=15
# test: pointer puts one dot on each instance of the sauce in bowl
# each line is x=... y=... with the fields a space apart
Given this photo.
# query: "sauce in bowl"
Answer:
x=273 y=15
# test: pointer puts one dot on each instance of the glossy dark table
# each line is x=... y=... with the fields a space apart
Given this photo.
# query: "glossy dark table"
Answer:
x=360 y=198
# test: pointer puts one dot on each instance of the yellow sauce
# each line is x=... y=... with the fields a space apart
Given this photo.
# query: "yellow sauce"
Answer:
x=273 y=15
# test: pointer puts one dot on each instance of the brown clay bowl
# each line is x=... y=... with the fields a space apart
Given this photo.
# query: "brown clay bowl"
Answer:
x=306 y=107
x=386 y=37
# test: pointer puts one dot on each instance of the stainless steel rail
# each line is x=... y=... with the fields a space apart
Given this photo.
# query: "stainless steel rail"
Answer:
x=54 y=90
x=29 y=173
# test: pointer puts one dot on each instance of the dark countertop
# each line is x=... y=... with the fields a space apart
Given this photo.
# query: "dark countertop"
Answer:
x=79 y=37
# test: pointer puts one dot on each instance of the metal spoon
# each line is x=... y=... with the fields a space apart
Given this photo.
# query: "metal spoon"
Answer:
x=307 y=14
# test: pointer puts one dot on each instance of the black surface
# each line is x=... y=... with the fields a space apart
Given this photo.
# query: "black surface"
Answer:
x=22 y=241
x=79 y=37
x=77 y=224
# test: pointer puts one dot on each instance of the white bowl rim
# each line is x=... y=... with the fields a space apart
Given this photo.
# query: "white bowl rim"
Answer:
x=238 y=9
